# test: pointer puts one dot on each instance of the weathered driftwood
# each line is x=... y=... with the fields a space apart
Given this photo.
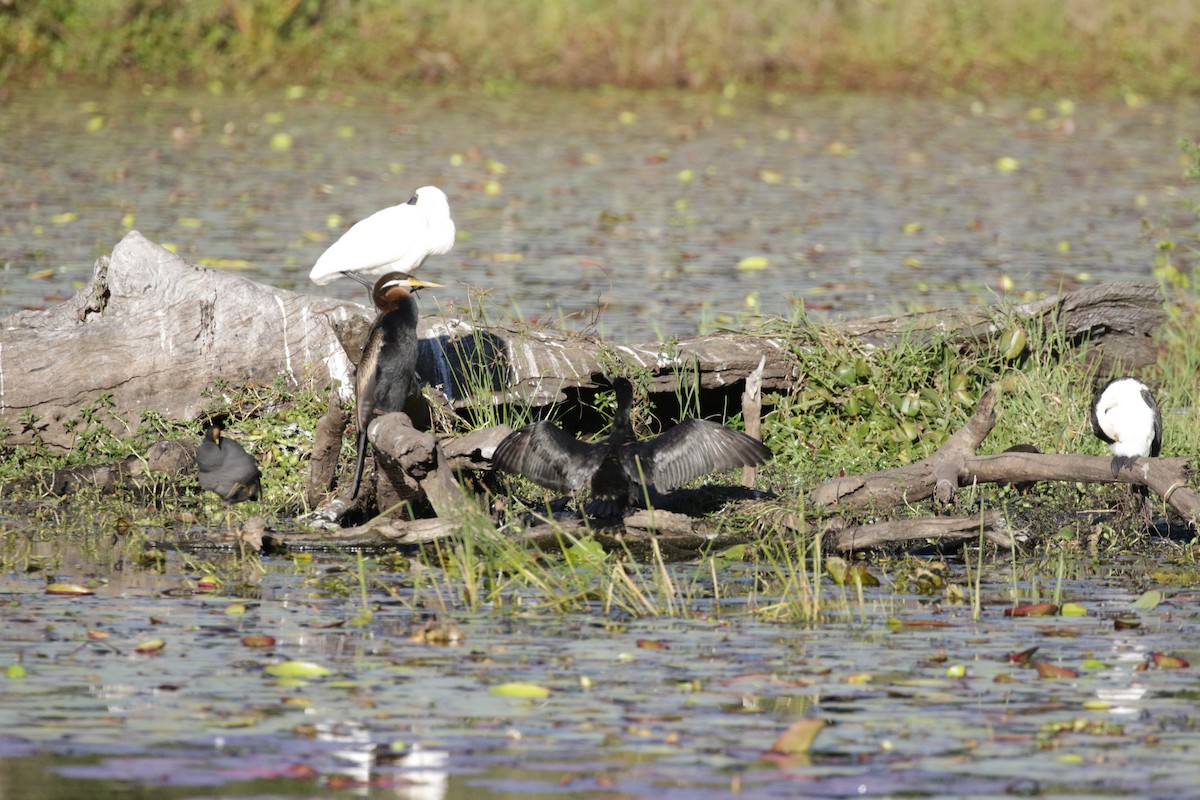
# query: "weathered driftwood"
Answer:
x=956 y=465
x=1117 y=318
x=941 y=529
x=1166 y=477
x=411 y=470
x=154 y=332
x=164 y=459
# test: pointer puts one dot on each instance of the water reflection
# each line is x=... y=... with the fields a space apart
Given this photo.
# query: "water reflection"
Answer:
x=626 y=213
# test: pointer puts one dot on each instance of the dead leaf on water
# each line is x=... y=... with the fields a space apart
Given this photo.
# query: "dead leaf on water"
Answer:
x=1022 y=657
x=1032 y=610
x=68 y=589
x=258 y=640
x=1167 y=661
x=150 y=647
x=799 y=737
x=1048 y=670
x=652 y=644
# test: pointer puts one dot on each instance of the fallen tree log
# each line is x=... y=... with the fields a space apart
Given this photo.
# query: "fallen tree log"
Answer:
x=940 y=529
x=956 y=465
x=151 y=331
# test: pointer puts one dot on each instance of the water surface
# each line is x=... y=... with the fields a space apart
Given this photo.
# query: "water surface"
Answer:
x=923 y=701
x=626 y=212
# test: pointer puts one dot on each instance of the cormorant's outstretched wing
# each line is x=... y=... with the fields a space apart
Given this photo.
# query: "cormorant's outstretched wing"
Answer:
x=693 y=448
x=546 y=455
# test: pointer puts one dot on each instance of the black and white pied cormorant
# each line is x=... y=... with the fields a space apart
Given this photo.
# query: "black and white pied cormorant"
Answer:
x=1126 y=418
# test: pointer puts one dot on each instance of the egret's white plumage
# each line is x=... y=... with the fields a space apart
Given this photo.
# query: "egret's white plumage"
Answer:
x=396 y=239
x=1125 y=416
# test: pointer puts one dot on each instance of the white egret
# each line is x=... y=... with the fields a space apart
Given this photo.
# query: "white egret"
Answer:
x=396 y=239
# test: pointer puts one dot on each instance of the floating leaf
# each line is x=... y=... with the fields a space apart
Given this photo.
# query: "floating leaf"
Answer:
x=1073 y=610
x=1149 y=600
x=1126 y=624
x=258 y=640
x=753 y=263
x=1048 y=670
x=519 y=690
x=956 y=671
x=14 y=672
x=652 y=644
x=1007 y=164
x=68 y=589
x=845 y=573
x=1033 y=610
x=799 y=737
x=1167 y=661
x=1022 y=657
x=297 y=669
x=150 y=646
x=281 y=141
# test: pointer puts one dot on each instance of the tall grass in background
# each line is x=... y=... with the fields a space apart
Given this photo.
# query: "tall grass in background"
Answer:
x=907 y=45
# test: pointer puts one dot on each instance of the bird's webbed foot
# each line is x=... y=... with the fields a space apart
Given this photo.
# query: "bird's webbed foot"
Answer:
x=1122 y=462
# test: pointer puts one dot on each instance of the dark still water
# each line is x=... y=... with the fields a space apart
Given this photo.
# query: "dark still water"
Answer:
x=629 y=213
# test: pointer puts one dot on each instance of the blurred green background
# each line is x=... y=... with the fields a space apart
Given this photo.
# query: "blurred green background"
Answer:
x=1015 y=46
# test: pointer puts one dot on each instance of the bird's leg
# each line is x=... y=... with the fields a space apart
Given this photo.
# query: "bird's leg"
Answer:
x=369 y=284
